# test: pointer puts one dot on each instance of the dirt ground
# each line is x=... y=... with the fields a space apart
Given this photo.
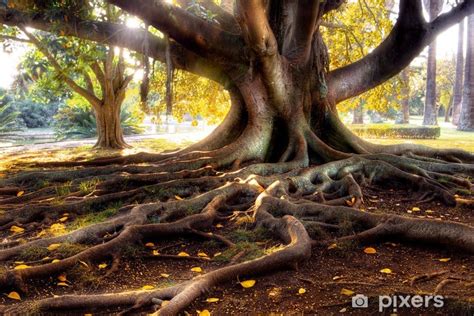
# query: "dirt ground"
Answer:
x=329 y=279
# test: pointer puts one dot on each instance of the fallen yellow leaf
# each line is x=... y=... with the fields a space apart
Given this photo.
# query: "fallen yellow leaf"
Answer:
x=196 y=269
x=155 y=252
x=62 y=284
x=16 y=229
x=415 y=209
x=165 y=275
x=14 y=296
x=204 y=313
x=177 y=197
x=148 y=287
x=102 y=265
x=63 y=219
x=62 y=278
x=212 y=300
x=150 y=245
x=444 y=259
x=55 y=260
x=202 y=254
x=217 y=254
x=21 y=267
x=248 y=283
x=19 y=262
x=20 y=193
x=370 y=250
x=41 y=233
x=386 y=270
x=332 y=246
x=301 y=291
x=53 y=247
x=183 y=254
x=347 y=292
x=219 y=226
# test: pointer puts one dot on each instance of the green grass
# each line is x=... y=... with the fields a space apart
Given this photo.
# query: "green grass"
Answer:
x=450 y=138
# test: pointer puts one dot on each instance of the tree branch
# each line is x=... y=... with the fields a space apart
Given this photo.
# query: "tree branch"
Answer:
x=99 y=74
x=307 y=13
x=88 y=95
x=226 y=20
x=190 y=31
x=410 y=35
x=116 y=35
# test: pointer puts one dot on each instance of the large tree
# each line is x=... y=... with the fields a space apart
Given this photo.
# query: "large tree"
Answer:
x=430 y=113
x=281 y=159
x=466 y=117
x=458 y=83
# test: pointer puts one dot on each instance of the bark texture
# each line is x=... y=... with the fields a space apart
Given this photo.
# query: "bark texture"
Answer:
x=466 y=119
x=430 y=113
x=458 y=84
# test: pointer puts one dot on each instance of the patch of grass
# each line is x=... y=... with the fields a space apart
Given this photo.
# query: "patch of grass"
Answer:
x=84 y=277
x=33 y=254
x=92 y=218
x=87 y=187
x=251 y=250
x=132 y=251
x=450 y=137
x=65 y=189
x=243 y=235
x=68 y=249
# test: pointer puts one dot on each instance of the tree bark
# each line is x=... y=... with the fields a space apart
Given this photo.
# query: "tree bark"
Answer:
x=358 y=117
x=458 y=84
x=405 y=76
x=109 y=130
x=466 y=120
x=430 y=113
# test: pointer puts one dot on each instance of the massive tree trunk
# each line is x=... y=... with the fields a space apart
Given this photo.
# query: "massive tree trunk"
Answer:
x=281 y=158
x=405 y=76
x=458 y=84
x=466 y=119
x=430 y=113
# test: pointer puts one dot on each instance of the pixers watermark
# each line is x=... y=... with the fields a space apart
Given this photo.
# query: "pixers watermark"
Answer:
x=399 y=301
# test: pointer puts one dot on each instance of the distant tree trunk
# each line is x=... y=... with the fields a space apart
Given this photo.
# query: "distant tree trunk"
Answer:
x=406 y=96
x=430 y=115
x=358 y=117
x=466 y=119
x=449 y=109
x=109 y=130
x=457 y=90
x=113 y=83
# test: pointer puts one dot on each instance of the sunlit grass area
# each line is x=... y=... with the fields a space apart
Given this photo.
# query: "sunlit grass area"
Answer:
x=450 y=137
x=84 y=152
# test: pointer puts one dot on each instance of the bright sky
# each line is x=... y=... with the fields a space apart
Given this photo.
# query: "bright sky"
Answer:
x=447 y=45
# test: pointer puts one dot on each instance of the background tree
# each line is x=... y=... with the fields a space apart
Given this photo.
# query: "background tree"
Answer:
x=110 y=74
x=458 y=83
x=282 y=159
x=405 y=79
x=430 y=113
x=466 y=119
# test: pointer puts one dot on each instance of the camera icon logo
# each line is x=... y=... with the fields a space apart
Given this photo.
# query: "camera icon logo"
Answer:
x=360 y=301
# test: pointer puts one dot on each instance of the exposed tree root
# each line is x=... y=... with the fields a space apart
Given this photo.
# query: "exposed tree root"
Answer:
x=290 y=198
